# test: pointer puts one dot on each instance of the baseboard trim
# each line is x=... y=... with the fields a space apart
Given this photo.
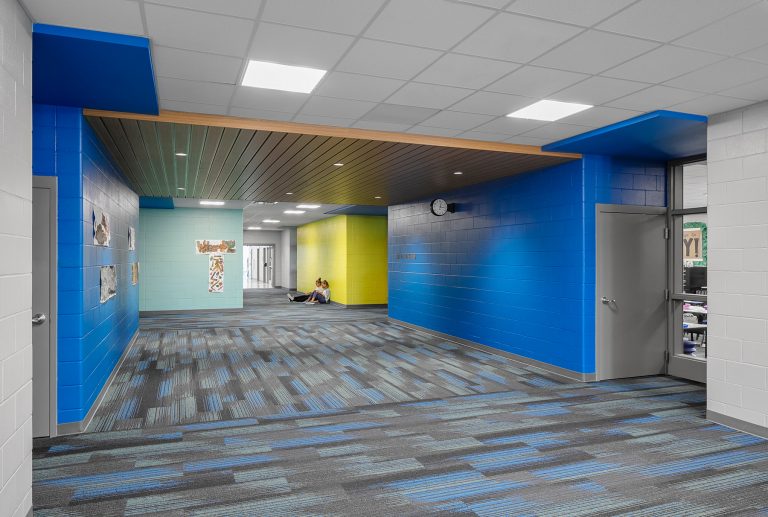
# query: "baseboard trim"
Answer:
x=738 y=424
x=530 y=363
x=82 y=425
x=143 y=314
x=361 y=305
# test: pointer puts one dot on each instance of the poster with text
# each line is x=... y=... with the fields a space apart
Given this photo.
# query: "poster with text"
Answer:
x=693 y=244
x=101 y=229
x=215 y=274
x=206 y=247
x=108 y=283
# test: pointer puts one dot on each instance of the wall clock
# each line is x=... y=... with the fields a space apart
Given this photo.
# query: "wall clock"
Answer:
x=441 y=207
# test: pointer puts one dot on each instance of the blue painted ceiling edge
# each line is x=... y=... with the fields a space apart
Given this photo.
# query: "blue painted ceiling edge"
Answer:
x=659 y=135
x=91 y=69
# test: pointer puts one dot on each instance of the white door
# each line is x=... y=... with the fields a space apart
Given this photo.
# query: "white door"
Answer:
x=631 y=315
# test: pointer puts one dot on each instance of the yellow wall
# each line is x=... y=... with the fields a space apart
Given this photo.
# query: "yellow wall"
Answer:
x=350 y=251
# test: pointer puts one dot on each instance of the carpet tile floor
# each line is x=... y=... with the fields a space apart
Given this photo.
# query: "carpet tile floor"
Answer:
x=365 y=417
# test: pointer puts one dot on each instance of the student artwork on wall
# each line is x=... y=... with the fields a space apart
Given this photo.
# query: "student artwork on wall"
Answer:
x=131 y=238
x=215 y=274
x=135 y=273
x=206 y=247
x=101 y=233
x=108 y=283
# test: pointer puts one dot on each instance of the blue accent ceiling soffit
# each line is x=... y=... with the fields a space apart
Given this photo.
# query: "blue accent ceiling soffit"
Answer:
x=90 y=69
x=156 y=202
x=659 y=135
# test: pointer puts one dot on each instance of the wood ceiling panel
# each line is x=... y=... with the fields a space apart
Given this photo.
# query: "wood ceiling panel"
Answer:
x=232 y=158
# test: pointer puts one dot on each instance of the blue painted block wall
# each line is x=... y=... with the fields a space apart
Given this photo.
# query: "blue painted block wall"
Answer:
x=91 y=335
x=514 y=267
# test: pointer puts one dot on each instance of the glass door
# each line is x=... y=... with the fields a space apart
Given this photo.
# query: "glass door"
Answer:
x=687 y=223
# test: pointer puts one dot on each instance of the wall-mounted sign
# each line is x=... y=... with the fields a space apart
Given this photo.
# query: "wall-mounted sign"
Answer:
x=693 y=244
x=206 y=247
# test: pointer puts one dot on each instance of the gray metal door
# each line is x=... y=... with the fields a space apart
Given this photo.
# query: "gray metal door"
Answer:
x=631 y=315
x=43 y=306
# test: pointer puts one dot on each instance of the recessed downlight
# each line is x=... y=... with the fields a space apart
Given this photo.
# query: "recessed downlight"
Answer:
x=181 y=154
x=376 y=197
x=212 y=203
x=180 y=188
x=274 y=76
x=270 y=221
x=289 y=193
x=458 y=173
x=308 y=207
x=254 y=227
x=338 y=164
x=295 y=212
x=549 y=111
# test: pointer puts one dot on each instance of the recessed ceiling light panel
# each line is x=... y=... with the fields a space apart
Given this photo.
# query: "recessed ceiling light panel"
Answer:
x=549 y=111
x=339 y=164
x=270 y=221
x=274 y=76
x=212 y=203
x=308 y=207
x=294 y=212
x=181 y=154
x=254 y=227
x=458 y=173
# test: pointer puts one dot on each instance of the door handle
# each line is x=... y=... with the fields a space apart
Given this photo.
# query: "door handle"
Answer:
x=38 y=319
x=606 y=301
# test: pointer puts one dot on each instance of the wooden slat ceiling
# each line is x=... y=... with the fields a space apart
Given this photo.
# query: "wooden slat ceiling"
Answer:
x=231 y=158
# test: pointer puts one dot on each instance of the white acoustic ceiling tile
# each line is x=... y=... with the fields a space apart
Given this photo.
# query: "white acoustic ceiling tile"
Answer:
x=121 y=16
x=465 y=71
x=260 y=114
x=481 y=135
x=509 y=126
x=515 y=38
x=428 y=95
x=490 y=103
x=740 y=32
x=386 y=59
x=598 y=90
x=358 y=87
x=756 y=91
x=592 y=52
x=395 y=114
x=662 y=64
x=434 y=131
x=339 y=108
x=528 y=140
x=534 y=81
x=380 y=126
x=600 y=116
x=721 y=76
x=758 y=54
x=457 y=120
x=427 y=23
x=665 y=20
x=323 y=121
x=272 y=100
x=344 y=16
x=557 y=131
x=653 y=98
x=581 y=12
x=196 y=66
x=194 y=30
x=711 y=104
x=298 y=47
x=194 y=91
x=193 y=107
x=241 y=8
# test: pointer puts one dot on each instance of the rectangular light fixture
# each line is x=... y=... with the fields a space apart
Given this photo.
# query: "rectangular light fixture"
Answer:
x=254 y=227
x=308 y=207
x=270 y=221
x=274 y=76
x=212 y=203
x=549 y=110
x=294 y=212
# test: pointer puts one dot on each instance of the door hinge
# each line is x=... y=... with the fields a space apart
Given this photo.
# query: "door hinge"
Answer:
x=666 y=356
x=666 y=294
x=666 y=233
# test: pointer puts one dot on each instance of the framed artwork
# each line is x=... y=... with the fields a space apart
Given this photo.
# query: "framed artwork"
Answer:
x=101 y=228
x=135 y=273
x=131 y=238
x=215 y=274
x=206 y=247
x=108 y=283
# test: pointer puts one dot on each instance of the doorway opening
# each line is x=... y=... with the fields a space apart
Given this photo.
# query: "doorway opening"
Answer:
x=258 y=266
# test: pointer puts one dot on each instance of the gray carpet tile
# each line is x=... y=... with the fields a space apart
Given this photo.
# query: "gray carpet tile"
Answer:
x=331 y=411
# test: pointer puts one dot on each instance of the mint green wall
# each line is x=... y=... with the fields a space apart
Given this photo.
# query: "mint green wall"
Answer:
x=171 y=275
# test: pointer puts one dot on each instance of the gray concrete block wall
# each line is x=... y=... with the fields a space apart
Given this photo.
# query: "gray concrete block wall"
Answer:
x=15 y=260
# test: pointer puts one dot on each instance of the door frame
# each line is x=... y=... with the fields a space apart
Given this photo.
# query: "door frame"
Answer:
x=51 y=183
x=274 y=254
x=601 y=209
